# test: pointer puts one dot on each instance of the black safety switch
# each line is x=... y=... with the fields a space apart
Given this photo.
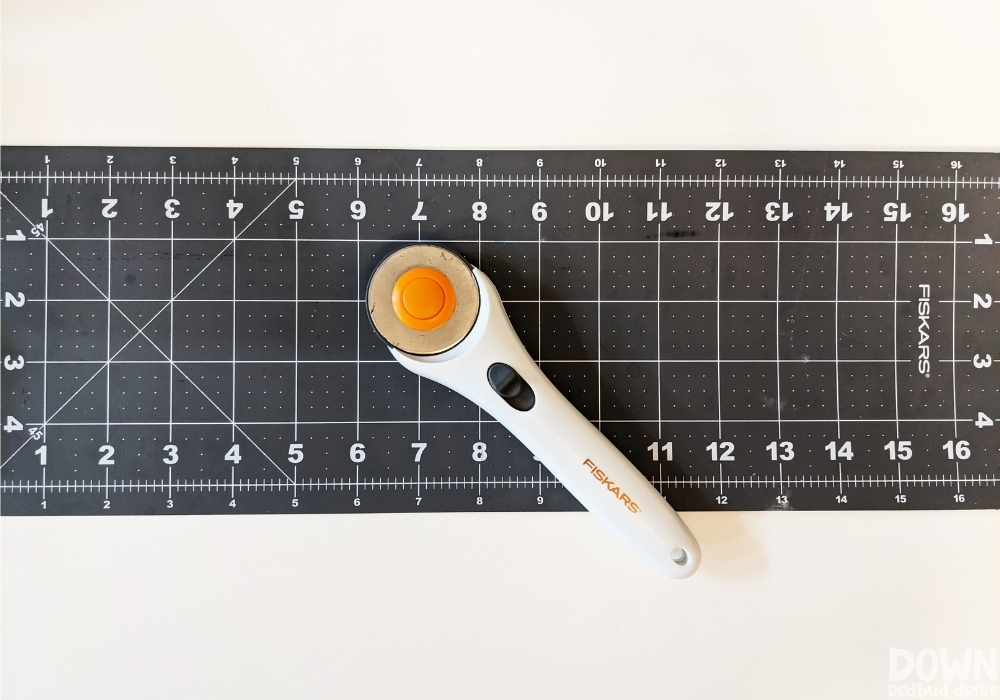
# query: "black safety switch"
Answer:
x=511 y=386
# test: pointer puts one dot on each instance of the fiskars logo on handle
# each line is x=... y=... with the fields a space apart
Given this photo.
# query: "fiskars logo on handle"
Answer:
x=612 y=487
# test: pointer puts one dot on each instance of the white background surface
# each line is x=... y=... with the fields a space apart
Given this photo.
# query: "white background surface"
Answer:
x=788 y=605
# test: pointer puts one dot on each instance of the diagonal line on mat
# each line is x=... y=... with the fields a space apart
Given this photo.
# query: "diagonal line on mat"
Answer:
x=235 y=424
x=100 y=291
x=82 y=387
x=33 y=224
x=140 y=331
x=180 y=291
x=208 y=265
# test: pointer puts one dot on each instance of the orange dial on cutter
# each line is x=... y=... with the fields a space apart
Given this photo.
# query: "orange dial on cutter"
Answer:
x=423 y=298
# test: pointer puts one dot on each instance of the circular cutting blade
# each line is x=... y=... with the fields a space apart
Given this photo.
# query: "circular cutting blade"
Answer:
x=387 y=320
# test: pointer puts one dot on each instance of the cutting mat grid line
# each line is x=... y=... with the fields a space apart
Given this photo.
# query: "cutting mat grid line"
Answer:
x=754 y=330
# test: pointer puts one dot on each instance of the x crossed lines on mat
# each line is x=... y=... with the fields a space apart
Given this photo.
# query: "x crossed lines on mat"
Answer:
x=140 y=331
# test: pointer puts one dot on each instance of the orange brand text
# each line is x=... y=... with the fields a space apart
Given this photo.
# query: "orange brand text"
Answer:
x=612 y=487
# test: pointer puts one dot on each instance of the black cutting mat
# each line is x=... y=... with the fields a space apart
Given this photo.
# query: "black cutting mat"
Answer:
x=754 y=330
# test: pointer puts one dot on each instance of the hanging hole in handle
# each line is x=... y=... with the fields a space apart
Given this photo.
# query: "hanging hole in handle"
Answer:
x=679 y=556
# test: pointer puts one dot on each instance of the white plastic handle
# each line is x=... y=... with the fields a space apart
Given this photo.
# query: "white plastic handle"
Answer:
x=569 y=445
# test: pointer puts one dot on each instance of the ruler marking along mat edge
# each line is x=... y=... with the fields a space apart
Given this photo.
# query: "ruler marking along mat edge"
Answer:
x=184 y=329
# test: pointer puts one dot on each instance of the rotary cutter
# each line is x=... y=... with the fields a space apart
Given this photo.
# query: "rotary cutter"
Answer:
x=443 y=320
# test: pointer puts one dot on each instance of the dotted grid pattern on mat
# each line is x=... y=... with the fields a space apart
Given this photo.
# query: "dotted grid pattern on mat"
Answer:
x=184 y=330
